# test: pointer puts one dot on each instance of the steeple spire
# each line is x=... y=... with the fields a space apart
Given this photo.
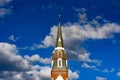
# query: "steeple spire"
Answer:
x=59 y=58
x=59 y=40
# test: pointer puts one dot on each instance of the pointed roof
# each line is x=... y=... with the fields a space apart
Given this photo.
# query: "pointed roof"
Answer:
x=59 y=40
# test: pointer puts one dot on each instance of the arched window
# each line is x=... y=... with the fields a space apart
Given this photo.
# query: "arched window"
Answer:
x=59 y=62
x=59 y=78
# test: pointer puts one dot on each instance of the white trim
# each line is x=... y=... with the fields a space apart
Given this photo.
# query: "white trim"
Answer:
x=66 y=63
x=59 y=48
x=52 y=63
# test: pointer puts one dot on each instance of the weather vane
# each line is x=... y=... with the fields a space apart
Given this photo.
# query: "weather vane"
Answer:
x=59 y=15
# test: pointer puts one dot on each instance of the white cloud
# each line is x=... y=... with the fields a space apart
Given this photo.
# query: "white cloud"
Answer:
x=85 y=57
x=100 y=78
x=108 y=70
x=3 y=9
x=94 y=67
x=11 y=75
x=85 y=65
x=79 y=9
x=35 y=46
x=73 y=75
x=9 y=57
x=75 y=34
x=37 y=58
x=39 y=73
x=44 y=73
x=13 y=38
x=118 y=74
x=82 y=17
x=17 y=67
x=12 y=65
x=4 y=12
x=94 y=22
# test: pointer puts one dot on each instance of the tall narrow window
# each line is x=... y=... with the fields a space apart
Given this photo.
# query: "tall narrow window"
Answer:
x=59 y=62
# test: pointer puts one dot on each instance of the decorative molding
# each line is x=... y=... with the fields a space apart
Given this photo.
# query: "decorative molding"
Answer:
x=59 y=48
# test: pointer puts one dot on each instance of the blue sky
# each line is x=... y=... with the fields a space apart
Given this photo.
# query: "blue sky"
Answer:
x=91 y=33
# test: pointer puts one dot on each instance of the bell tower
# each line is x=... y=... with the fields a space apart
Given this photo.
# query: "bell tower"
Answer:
x=59 y=58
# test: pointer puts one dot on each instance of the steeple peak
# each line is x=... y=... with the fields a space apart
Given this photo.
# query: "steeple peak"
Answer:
x=59 y=41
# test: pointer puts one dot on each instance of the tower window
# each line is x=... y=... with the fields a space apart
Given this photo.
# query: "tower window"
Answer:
x=59 y=62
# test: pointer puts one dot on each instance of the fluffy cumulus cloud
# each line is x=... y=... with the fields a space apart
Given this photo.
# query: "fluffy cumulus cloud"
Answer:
x=37 y=58
x=38 y=73
x=9 y=58
x=74 y=35
x=100 y=78
x=73 y=75
x=35 y=73
x=13 y=66
x=5 y=7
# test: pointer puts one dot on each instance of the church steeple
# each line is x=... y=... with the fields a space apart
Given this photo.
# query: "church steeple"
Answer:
x=59 y=40
x=59 y=58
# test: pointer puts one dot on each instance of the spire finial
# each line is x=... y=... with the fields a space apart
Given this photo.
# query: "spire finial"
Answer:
x=59 y=15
